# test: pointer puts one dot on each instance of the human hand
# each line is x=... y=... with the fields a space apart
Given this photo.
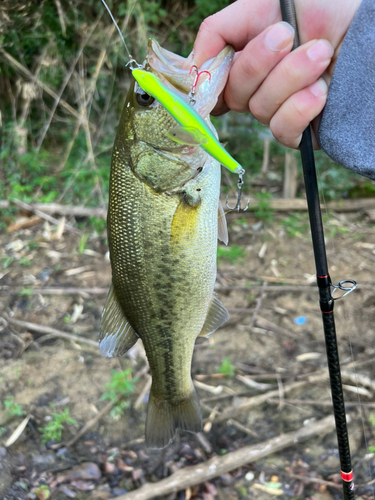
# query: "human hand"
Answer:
x=282 y=89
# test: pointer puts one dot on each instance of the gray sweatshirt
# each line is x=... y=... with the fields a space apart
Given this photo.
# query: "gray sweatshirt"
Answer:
x=347 y=129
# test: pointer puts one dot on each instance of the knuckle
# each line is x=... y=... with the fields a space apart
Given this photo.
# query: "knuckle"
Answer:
x=257 y=110
x=208 y=25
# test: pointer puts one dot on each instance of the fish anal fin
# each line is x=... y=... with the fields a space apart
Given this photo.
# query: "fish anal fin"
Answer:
x=217 y=315
x=164 y=418
x=189 y=136
x=116 y=336
x=222 y=228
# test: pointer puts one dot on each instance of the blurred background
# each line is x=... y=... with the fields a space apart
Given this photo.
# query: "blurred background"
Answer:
x=71 y=421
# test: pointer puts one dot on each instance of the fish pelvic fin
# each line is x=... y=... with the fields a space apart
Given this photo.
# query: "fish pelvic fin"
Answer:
x=217 y=315
x=164 y=418
x=222 y=228
x=116 y=336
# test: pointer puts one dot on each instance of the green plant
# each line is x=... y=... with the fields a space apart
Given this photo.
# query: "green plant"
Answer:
x=371 y=419
x=53 y=429
x=296 y=225
x=232 y=253
x=264 y=210
x=13 y=409
x=82 y=242
x=43 y=492
x=25 y=262
x=227 y=368
x=118 y=388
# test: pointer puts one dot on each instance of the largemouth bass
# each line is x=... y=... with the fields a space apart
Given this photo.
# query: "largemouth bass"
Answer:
x=164 y=218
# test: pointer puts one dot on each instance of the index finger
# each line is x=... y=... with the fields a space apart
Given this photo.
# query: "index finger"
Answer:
x=235 y=25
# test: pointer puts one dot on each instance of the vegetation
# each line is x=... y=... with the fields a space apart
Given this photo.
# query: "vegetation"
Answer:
x=232 y=254
x=13 y=409
x=227 y=368
x=52 y=431
x=56 y=136
x=118 y=390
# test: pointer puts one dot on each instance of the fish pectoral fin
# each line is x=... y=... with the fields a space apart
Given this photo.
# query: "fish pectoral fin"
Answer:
x=217 y=315
x=116 y=336
x=188 y=136
x=222 y=229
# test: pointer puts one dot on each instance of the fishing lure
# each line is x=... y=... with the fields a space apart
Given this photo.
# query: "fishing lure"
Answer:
x=188 y=118
x=191 y=123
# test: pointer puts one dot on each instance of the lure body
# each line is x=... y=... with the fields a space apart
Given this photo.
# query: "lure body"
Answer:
x=186 y=116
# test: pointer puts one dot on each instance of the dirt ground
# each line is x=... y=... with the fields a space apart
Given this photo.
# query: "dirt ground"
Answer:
x=274 y=338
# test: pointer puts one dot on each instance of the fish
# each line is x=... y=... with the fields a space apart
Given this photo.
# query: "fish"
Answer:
x=164 y=220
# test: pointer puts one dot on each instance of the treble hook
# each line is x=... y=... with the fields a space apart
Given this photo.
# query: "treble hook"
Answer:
x=198 y=73
x=240 y=184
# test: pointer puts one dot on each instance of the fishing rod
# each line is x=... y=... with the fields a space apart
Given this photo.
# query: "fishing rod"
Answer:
x=326 y=297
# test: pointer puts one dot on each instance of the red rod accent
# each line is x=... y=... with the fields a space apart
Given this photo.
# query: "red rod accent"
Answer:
x=347 y=476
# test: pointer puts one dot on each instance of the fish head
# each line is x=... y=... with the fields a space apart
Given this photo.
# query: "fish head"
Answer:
x=146 y=125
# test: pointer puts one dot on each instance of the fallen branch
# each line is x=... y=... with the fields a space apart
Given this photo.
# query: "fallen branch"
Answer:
x=232 y=411
x=64 y=291
x=67 y=210
x=51 y=331
x=315 y=480
x=282 y=205
x=314 y=402
x=265 y=324
x=191 y=476
x=44 y=216
x=102 y=412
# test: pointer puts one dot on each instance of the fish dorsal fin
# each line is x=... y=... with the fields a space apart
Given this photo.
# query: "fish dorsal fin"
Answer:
x=116 y=336
x=222 y=229
x=188 y=136
x=217 y=315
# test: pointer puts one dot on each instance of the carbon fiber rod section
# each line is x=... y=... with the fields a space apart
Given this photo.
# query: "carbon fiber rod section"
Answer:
x=323 y=282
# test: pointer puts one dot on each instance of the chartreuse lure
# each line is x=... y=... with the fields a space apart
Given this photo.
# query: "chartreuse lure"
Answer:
x=192 y=125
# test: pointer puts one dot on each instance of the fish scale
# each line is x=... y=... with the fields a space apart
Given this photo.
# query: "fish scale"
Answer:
x=162 y=235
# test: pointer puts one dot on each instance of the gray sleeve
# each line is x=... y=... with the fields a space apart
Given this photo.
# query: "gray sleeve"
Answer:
x=347 y=128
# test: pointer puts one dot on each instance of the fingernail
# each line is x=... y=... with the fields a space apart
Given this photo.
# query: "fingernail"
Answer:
x=320 y=51
x=319 y=88
x=279 y=37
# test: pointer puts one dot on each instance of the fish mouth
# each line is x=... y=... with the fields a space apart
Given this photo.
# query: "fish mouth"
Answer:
x=175 y=72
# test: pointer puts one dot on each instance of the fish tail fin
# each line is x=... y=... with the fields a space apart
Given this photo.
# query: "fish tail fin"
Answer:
x=164 y=417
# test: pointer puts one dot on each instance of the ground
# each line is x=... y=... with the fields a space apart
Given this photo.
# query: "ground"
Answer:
x=274 y=338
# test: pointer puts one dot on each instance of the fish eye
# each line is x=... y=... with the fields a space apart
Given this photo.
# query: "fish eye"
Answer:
x=143 y=98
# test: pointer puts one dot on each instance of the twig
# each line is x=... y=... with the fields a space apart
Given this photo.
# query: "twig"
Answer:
x=102 y=412
x=313 y=402
x=51 y=331
x=231 y=411
x=67 y=76
x=53 y=94
x=44 y=216
x=191 y=476
x=265 y=324
x=315 y=480
x=63 y=291
x=242 y=428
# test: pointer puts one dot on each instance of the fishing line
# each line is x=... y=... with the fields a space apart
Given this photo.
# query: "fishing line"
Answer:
x=119 y=31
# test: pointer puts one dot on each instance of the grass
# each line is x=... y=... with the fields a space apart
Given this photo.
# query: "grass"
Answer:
x=296 y=225
x=13 y=409
x=227 y=368
x=118 y=389
x=233 y=254
x=52 y=431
